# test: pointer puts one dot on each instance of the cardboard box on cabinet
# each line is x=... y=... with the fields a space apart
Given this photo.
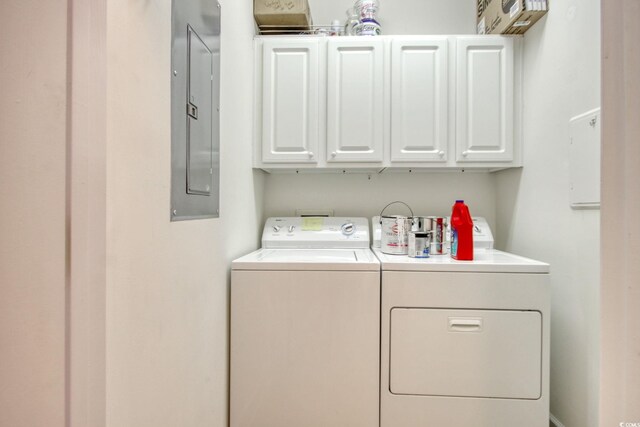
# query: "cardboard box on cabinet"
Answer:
x=281 y=15
x=509 y=16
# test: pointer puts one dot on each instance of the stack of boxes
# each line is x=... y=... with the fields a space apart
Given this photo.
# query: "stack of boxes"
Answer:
x=509 y=16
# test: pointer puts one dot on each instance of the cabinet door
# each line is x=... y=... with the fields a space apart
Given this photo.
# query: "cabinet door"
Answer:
x=290 y=101
x=355 y=98
x=419 y=94
x=484 y=108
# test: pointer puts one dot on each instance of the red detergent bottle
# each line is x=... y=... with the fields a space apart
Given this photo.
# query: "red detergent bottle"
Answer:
x=461 y=232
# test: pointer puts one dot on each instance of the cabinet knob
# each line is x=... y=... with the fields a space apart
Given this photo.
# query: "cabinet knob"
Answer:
x=441 y=153
x=334 y=154
x=311 y=154
x=465 y=153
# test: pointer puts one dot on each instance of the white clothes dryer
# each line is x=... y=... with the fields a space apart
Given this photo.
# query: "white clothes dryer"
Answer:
x=305 y=328
x=464 y=343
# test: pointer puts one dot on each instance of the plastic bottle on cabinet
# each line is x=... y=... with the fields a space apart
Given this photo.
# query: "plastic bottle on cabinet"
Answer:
x=461 y=232
x=352 y=22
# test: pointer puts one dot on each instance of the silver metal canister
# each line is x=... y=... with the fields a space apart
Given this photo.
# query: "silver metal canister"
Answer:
x=420 y=223
x=395 y=232
x=438 y=226
x=419 y=244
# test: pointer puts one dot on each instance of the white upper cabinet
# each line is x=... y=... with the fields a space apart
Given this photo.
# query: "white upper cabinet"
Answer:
x=290 y=101
x=419 y=99
x=485 y=99
x=355 y=100
x=388 y=102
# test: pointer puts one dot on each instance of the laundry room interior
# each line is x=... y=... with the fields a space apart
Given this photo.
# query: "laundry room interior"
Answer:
x=134 y=320
x=529 y=208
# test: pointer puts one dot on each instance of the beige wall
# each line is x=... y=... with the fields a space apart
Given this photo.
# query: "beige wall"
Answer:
x=33 y=100
x=167 y=283
x=561 y=80
x=620 y=386
x=87 y=215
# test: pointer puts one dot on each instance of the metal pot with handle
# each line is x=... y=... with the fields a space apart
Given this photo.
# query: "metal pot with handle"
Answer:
x=395 y=231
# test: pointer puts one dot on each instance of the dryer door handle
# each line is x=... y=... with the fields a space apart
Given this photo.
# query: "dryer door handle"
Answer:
x=465 y=324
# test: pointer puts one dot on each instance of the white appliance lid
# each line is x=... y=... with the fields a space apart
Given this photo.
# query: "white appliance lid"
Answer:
x=316 y=233
x=308 y=259
x=485 y=261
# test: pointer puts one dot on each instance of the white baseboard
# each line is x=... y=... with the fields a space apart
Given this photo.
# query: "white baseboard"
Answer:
x=555 y=421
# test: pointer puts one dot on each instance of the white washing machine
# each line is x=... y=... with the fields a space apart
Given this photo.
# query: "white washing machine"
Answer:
x=305 y=329
x=464 y=343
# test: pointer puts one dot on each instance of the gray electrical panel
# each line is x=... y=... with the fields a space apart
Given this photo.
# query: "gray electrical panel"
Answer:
x=195 y=109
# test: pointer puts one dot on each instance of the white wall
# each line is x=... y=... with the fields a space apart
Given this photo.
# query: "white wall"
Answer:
x=562 y=80
x=407 y=16
x=366 y=195
x=33 y=102
x=167 y=283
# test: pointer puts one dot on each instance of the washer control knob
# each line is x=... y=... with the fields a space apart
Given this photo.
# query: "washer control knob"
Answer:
x=291 y=228
x=348 y=229
x=276 y=228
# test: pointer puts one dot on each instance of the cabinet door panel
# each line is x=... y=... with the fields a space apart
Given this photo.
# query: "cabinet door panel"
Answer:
x=290 y=101
x=484 y=110
x=419 y=93
x=355 y=99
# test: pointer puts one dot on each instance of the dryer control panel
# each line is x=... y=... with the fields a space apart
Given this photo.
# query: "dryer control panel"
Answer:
x=315 y=233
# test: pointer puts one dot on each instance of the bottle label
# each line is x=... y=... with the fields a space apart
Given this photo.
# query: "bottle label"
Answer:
x=454 y=242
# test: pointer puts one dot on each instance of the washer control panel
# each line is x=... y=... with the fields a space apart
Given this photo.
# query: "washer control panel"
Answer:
x=348 y=228
x=315 y=232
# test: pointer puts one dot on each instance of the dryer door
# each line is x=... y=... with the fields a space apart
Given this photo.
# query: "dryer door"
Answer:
x=466 y=353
